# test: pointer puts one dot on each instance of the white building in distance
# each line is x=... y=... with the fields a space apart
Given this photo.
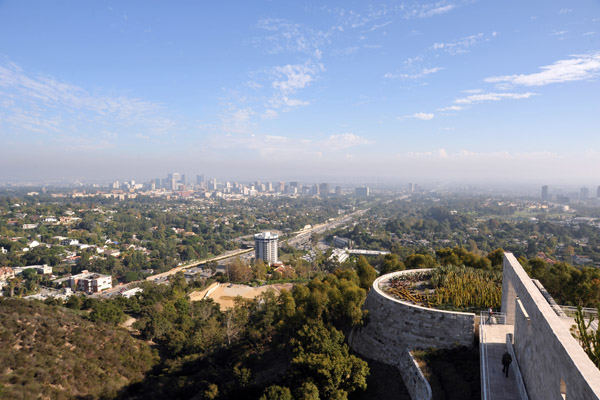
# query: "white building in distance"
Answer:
x=265 y=247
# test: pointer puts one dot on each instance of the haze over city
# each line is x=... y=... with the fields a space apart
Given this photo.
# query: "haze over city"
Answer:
x=461 y=91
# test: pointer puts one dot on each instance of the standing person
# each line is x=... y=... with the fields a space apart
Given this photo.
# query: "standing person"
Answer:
x=490 y=315
x=506 y=360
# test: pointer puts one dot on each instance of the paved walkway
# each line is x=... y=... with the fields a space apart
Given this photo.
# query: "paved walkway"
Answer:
x=501 y=387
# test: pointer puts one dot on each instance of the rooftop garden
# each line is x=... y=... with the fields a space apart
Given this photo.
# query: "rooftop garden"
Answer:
x=448 y=288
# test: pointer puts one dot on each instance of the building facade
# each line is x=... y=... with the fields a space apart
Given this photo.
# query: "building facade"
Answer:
x=265 y=247
x=90 y=282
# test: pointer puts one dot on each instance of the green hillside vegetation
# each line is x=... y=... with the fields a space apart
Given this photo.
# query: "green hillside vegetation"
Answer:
x=268 y=347
x=51 y=352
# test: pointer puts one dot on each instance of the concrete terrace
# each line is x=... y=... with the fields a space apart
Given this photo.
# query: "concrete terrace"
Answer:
x=493 y=338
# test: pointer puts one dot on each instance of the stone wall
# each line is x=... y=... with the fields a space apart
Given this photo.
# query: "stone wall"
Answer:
x=413 y=378
x=396 y=326
x=395 y=323
x=550 y=359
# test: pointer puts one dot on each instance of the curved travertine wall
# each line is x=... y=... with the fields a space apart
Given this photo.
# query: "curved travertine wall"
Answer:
x=396 y=323
x=396 y=326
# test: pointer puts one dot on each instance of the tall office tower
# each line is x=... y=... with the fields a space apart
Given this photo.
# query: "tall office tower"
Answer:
x=269 y=187
x=324 y=189
x=338 y=190
x=281 y=186
x=411 y=187
x=295 y=185
x=314 y=190
x=265 y=247
x=361 y=191
x=173 y=180
x=213 y=184
x=116 y=185
x=545 y=192
x=182 y=179
x=200 y=180
x=584 y=193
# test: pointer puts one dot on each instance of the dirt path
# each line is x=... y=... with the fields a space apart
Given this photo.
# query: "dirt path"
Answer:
x=225 y=294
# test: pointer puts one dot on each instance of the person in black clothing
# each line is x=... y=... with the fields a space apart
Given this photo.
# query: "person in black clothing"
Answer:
x=506 y=360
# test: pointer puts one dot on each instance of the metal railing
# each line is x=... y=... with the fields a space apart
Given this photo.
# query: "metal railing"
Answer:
x=495 y=318
x=487 y=318
x=516 y=369
x=483 y=361
x=588 y=313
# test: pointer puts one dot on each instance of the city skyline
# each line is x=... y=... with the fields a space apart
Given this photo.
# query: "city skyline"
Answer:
x=464 y=91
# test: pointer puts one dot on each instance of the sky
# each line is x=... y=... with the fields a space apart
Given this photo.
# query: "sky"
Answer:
x=448 y=91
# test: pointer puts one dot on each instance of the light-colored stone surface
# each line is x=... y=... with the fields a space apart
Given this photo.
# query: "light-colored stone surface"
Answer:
x=501 y=387
x=396 y=326
x=546 y=351
x=413 y=378
x=398 y=323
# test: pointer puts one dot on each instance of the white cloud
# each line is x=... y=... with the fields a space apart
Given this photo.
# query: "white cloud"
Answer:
x=436 y=10
x=422 y=116
x=422 y=74
x=472 y=91
x=294 y=77
x=237 y=120
x=242 y=115
x=290 y=78
x=379 y=26
x=287 y=36
x=565 y=10
x=56 y=106
x=462 y=45
x=269 y=114
x=478 y=98
x=451 y=108
x=578 y=68
x=483 y=155
x=343 y=141
x=276 y=139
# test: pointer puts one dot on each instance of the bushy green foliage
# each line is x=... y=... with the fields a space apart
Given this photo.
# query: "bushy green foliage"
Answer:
x=322 y=358
x=259 y=347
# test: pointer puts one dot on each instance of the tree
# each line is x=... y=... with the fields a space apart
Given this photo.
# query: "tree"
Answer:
x=235 y=320
x=259 y=270
x=418 y=261
x=74 y=302
x=322 y=357
x=107 y=311
x=239 y=271
x=366 y=273
x=308 y=391
x=391 y=263
x=275 y=392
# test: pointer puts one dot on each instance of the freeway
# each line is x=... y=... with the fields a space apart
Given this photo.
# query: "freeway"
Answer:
x=228 y=254
x=301 y=237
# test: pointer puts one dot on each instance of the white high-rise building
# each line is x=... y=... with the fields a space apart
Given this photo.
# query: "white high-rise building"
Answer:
x=265 y=247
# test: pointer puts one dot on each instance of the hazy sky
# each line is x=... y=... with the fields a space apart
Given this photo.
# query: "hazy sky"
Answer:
x=449 y=90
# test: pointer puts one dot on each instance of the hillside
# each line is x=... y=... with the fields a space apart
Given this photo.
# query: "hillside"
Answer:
x=51 y=352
